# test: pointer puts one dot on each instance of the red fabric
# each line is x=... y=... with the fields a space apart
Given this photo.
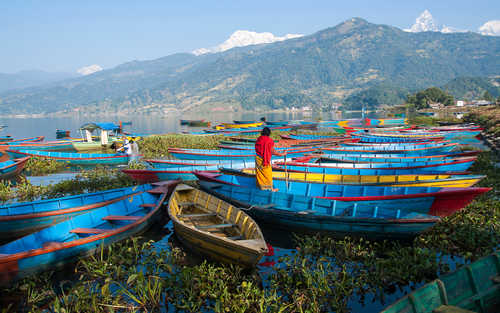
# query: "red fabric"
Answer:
x=264 y=149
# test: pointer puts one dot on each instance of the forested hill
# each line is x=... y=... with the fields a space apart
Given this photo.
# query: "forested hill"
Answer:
x=314 y=70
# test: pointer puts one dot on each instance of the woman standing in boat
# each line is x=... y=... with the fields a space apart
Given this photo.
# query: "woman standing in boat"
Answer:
x=264 y=148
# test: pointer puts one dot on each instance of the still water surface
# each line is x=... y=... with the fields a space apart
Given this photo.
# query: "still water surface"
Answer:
x=151 y=124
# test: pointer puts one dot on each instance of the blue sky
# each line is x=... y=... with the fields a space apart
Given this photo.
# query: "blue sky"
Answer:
x=66 y=35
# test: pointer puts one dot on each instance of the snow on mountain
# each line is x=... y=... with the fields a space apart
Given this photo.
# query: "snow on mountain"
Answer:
x=491 y=28
x=241 y=38
x=87 y=70
x=426 y=23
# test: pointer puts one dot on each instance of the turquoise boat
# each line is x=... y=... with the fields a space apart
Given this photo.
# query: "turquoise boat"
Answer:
x=312 y=215
x=73 y=158
x=471 y=288
x=12 y=168
x=366 y=137
x=427 y=200
x=19 y=219
x=410 y=151
x=83 y=234
x=207 y=154
x=435 y=167
x=383 y=158
x=159 y=163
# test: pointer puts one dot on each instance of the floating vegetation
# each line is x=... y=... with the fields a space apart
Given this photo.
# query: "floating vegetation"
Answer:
x=93 y=180
x=157 y=146
x=42 y=166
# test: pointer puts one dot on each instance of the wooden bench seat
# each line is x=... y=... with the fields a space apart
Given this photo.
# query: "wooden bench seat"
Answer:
x=89 y=231
x=217 y=226
x=148 y=205
x=235 y=238
x=157 y=190
x=196 y=215
x=121 y=218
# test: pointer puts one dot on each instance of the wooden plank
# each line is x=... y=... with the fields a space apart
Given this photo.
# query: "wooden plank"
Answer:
x=148 y=205
x=157 y=190
x=235 y=237
x=121 y=218
x=196 y=215
x=217 y=226
x=186 y=203
x=89 y=231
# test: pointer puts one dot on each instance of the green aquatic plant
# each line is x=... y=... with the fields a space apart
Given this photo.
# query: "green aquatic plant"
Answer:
x=157 y=146
x=41 y=166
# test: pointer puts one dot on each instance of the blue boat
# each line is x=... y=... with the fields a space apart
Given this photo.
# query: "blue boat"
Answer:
x=452 y=166
x=413 y=151
x=82 y=234
x=314 y=137
x=427 y=200
x=312 y=215
x=12 y=168
x=73 y=158
x=365 y=137
x=153 y=175
x=369 y=158
x=207 y=154
x=159 y=163
x=19 y=219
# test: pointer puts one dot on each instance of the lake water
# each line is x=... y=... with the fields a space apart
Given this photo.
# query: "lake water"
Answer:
x=151 y=124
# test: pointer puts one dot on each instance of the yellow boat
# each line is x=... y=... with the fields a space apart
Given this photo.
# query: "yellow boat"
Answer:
x=215 y=228
x=232 y=125
x=461 y=181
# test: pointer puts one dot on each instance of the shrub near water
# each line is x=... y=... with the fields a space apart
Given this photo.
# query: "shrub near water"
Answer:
x=157 y=146
x=41 y=166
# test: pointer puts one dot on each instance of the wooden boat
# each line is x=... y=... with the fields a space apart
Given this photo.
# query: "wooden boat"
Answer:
x=73 y=158
x=190 y=163
x=153 y=175
x=277 y=123
x=416 y=151
x=49 y=145
x=385 y=121
x=471 y=288
x=236 y=143
x=427 y=200
x=12 y=168
x=207 y=154
x=244 y=122
x=435 y=167
x=23 y=140
x=234 y=125
x=379 y=158
x=82 y=234
x=402 y=145
x=22 y=218
x=312 y=215
x=214 y=228
x=314 y=137
x=363 y=137
x=460 y=181
x=62 y=133
x=6 y=138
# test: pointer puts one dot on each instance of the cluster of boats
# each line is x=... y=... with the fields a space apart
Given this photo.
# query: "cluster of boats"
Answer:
x=378 y=183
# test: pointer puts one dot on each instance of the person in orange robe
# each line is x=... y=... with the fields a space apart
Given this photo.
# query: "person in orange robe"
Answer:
x=264 y=148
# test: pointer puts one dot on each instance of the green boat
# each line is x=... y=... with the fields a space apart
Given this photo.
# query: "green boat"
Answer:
x=471 y=288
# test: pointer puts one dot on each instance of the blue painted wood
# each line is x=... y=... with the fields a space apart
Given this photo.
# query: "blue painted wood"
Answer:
x=190 y=163
x=385 y=158
x=381 y=168
x=310 y=214
x=207 y=154
x=62 y=242
x=392 y=150
x=73 y=158
x=17 y=219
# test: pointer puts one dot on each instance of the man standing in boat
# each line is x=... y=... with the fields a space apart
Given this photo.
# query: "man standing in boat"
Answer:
x=264 y=148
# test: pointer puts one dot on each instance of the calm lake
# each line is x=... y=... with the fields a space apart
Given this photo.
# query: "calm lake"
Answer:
x=152 y=124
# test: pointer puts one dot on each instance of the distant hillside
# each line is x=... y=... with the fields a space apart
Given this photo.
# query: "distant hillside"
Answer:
x=25 y=79
x=470 y=88
x=328 y=66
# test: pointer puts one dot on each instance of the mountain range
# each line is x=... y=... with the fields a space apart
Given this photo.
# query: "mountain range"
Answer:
x=332 y=65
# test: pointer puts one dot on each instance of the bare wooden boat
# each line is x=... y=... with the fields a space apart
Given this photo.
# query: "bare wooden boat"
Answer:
x=215 y=228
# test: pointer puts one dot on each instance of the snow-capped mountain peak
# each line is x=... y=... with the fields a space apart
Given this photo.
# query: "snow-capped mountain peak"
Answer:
x=87 y=70
x=424 y=23
x=241 y=38
x=491 y=28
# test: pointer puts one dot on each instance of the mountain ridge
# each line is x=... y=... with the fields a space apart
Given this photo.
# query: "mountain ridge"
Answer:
x=313 y=70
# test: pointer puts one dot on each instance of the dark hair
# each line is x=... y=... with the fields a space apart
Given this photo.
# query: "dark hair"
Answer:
x=265 y=131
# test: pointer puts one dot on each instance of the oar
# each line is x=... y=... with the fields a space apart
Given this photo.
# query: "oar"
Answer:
x=286 y=173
